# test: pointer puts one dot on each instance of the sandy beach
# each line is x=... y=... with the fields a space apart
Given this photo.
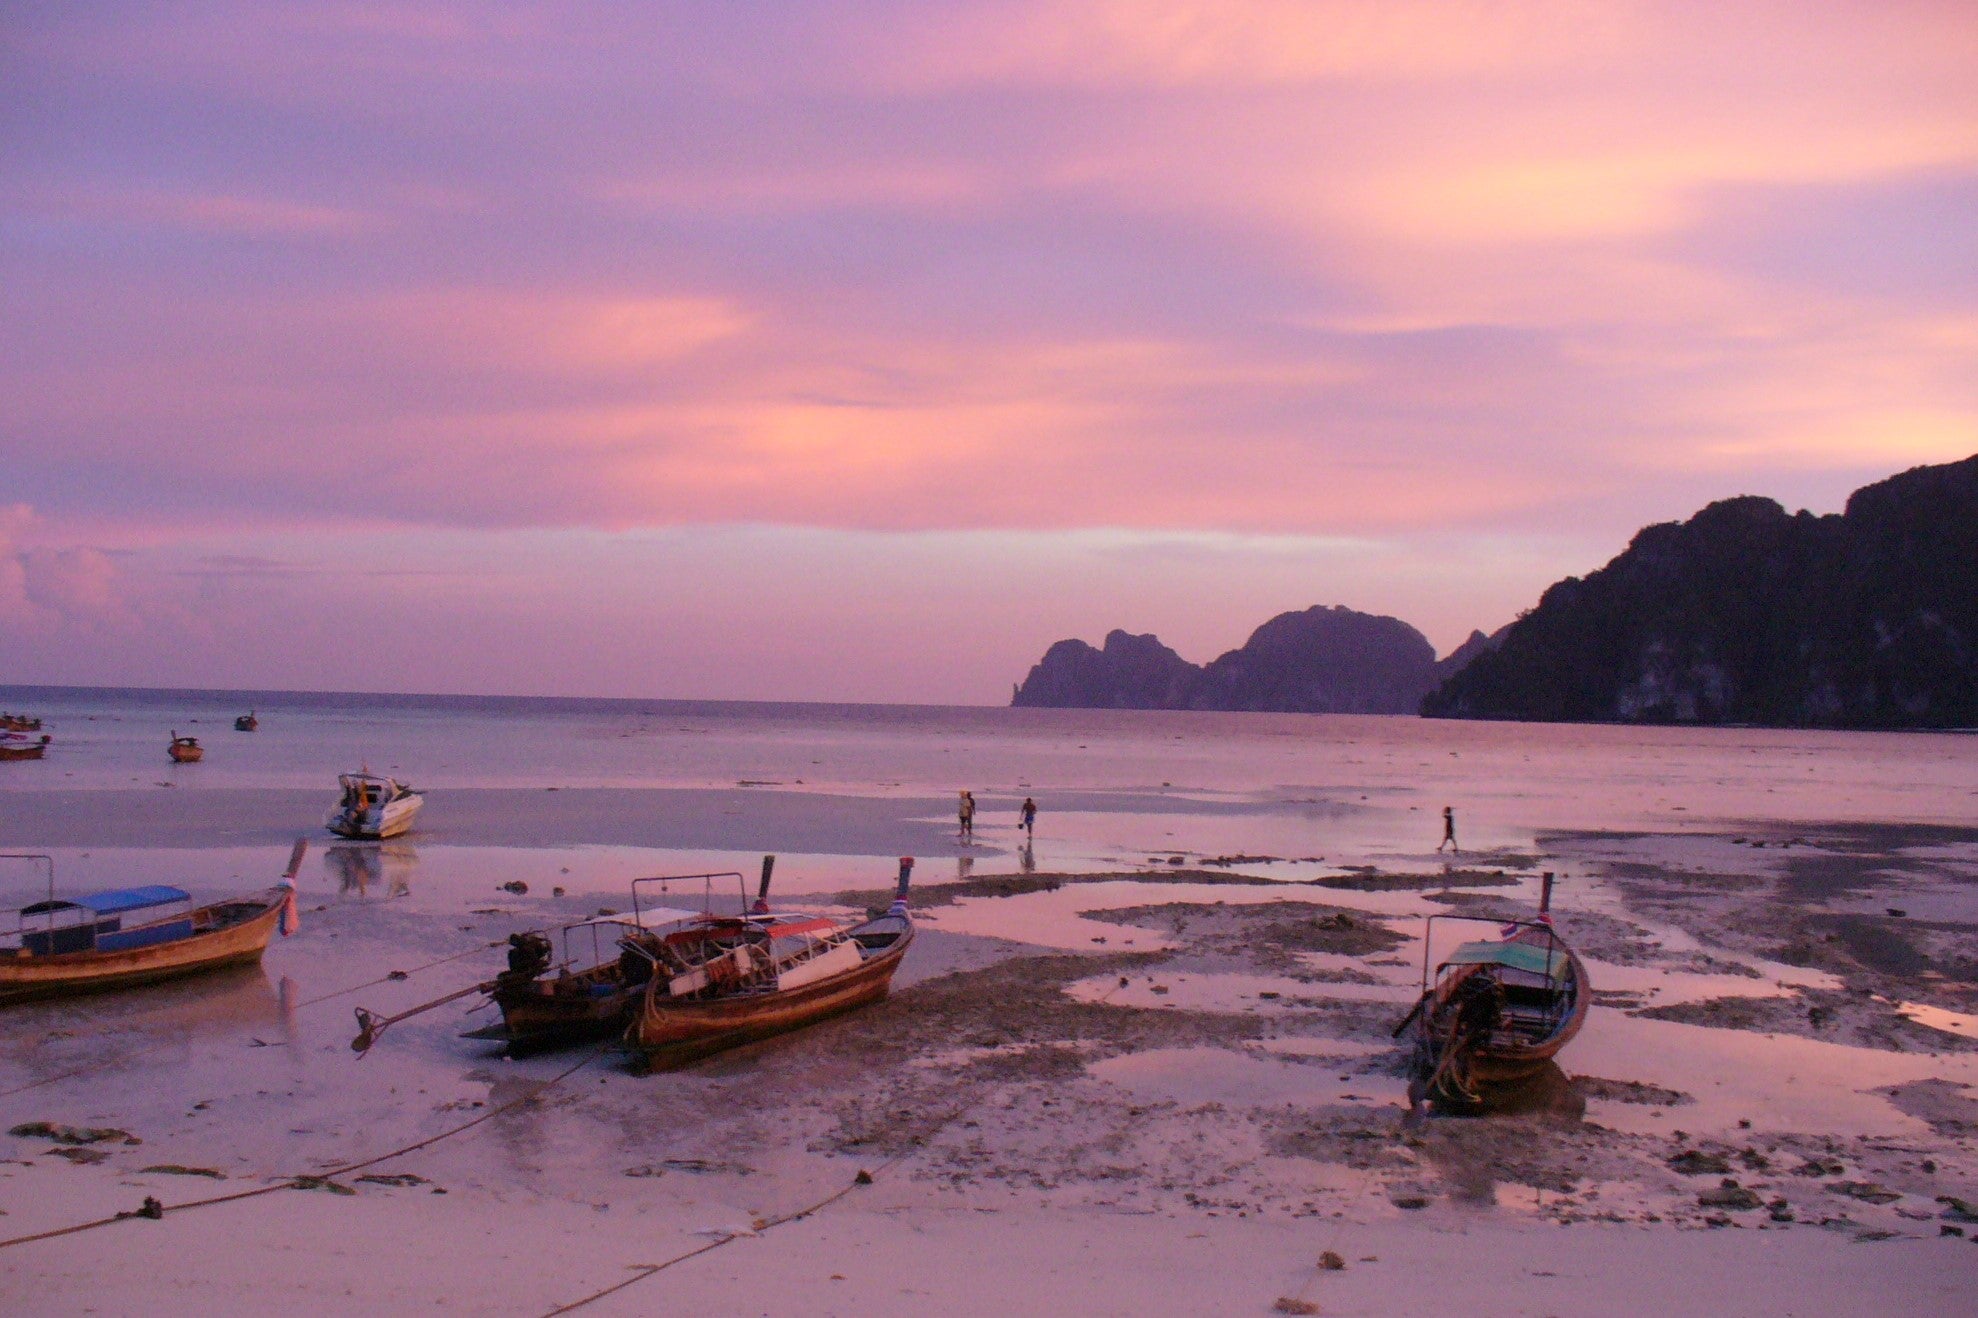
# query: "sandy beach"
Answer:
x=1160 y=1082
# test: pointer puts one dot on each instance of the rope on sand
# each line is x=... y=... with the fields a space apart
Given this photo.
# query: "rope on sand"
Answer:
x=153 y=1210
x=864 y=1178
x=648 y=1269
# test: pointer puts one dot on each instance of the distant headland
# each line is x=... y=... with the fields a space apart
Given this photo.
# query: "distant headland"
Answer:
x=1743 y=614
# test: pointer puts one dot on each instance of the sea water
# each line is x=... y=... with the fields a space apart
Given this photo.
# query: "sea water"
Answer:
x=1297 y=794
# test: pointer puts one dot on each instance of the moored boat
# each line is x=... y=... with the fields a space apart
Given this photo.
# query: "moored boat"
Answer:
x=370 y=806
x=246 y=722
x=130 y=936
x=19 y=723
x=185 y=750
x=587 y=992
x=17 y=746
x=1495 y=1011
x=721 y=982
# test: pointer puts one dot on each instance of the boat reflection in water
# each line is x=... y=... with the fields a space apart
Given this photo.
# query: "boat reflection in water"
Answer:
x=382 y=869
x=167 y=1023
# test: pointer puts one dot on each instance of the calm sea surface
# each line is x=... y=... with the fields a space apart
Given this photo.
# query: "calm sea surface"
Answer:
x=1498 y=774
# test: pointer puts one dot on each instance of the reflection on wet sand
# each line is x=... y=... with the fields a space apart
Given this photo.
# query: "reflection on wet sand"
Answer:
x=384 y=866
x=164 y=1024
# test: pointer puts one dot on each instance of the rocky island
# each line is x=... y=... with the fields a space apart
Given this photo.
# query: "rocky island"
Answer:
x=1748 y=614
x=1318 y=661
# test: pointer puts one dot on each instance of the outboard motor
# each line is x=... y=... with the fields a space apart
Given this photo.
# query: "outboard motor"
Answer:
x=529 y=955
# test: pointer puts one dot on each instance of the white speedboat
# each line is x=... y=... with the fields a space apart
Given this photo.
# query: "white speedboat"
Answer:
x=373 y=807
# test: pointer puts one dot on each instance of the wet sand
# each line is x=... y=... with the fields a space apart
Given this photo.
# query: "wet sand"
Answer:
x=1165 y=1088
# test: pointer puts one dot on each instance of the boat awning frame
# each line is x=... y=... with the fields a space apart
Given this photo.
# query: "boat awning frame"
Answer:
x=1547 y=963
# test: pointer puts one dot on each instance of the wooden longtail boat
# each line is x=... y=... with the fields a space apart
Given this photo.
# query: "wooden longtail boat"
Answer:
x=246 y=722
x=14 y=746
x=371 y=807
x=185 y=750
x=723 y=982
x=132 y=936
x=19 y=723
x=1495 y=1012
x=550 y=1002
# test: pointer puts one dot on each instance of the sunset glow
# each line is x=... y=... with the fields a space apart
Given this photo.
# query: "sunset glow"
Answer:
x=859 y=351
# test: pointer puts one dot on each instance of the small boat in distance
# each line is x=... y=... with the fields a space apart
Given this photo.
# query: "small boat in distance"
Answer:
x=246 y=722
x=1495 y=1012
x=185 y=750
x=130 y=936
x=370 y=807
x=19 y=723
x=721 y=982
x=18 y=746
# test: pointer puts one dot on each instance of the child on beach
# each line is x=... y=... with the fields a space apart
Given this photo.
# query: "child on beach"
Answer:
x=1448 y=831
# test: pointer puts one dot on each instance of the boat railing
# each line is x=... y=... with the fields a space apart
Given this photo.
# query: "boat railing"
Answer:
x=21 y=915
x=707 y=888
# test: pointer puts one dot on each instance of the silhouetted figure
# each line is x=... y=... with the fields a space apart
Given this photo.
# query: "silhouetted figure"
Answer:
x=966 y=813
x=1028 y=816
x=1448 y=831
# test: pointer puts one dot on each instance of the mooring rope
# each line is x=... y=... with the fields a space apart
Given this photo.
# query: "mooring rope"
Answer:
x=153 y=1209
x=864 y=1178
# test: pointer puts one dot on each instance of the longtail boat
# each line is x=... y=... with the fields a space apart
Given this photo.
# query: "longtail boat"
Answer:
x=371 y=807
x=549 y=1001
x=19 y=723
x=14 y=746
x=1495 y=1011
x=185 y=750
x=719 y=983
x=246 y=722
x=130 y=936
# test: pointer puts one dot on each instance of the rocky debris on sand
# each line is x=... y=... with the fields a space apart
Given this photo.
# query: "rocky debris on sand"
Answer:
x=1695 y=1162
x=1291 y=1304
x=1331 y=1262
x=1820 y=1167
x=61 y=1134
x=1958 y=1210
x=402 y=1179
x=1729 y=1195
x=1630 y=1091
x=515 y=886
x=693 y=1166
x=80 y=1157
x=176 y=1169
x=1873 y=1192
x=319 y=1183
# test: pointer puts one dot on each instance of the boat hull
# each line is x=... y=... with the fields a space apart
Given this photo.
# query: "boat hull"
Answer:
x=33 y=752
x=242 y=942
x=667 y=1032
x=373 y=825
x=1496 y=1068
x=534 y=1021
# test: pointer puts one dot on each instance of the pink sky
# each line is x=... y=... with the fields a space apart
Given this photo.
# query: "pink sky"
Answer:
x=857 y=351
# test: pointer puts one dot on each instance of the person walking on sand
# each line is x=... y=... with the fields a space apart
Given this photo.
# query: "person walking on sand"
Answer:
x=1448 y=831
x=966 y=814
x=1028 y=815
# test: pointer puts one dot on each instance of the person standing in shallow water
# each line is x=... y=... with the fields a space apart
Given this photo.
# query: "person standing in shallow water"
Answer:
x=1448 y=830
x=1028 y=815
x=966 y=814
